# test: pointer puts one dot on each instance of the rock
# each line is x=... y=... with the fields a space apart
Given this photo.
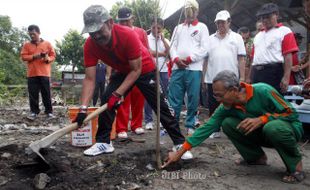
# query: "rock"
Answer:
x=23 y=126
x=1 y=127
x=10 y=127
x=3 y=180
x=41 y=180
x=6 y=155
x=133 y=186
x=150 y=167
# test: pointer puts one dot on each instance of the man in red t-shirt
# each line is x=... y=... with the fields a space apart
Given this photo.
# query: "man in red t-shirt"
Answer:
x=120 y=48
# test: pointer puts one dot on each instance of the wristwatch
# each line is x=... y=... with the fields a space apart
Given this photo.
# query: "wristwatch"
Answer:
x=83 y=109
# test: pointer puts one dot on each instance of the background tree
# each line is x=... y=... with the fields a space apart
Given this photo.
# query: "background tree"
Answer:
x=143 y=10
x=70 y=50
x=11 y=41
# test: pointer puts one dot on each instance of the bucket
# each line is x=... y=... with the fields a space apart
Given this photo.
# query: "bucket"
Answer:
x=86 y=136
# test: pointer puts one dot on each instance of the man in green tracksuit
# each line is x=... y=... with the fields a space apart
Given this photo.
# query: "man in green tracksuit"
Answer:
x=252 y=116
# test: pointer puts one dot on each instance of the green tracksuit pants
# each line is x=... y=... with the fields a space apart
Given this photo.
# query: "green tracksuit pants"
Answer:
x=276 y=134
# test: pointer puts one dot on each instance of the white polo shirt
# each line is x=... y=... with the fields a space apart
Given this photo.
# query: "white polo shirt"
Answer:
x=271 y=46
x=162 y=66
x=223 y=54
x=190 y=41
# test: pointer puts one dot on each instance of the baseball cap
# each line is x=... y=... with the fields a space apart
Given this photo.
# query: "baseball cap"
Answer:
x=222 y=15
x=191 y=3
x=94 y=18
x=267 y=9
x=124 y=13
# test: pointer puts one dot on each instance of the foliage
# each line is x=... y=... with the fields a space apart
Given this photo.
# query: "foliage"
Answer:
x=70 y=50
x=143 y=10
x=11 y=40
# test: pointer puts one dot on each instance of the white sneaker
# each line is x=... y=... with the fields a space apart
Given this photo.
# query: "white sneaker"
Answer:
x=215 y=135
x=149 y=126
x=51 y=116
x=32 y=116
x=305 y=105
x=186 y=156
x=183 y=113
x=139 y=131
x=122 y=135
x=99 y=148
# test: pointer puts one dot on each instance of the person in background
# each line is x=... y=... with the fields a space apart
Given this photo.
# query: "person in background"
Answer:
x=252 y=117
x=163 y=57
x=226 y=52
x=189 y=46
x=259 y=26
x=134 y=101
x=100 y=82
x=273 y=50
x=298 y=63
x=38 y=54
x=248 y=44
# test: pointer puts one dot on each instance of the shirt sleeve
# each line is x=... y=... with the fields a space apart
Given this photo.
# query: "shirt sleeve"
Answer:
x=25 y=54
x=212 y=125
x=51 y=53
x=280 y=108
x=289 y=44
x=133 y=49
x=89 y=57
x=202 y=51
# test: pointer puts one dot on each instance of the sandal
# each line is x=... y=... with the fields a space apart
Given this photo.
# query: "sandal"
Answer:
x=242 y=162
x=295 y=177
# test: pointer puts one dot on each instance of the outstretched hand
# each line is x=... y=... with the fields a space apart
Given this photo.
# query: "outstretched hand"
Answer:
x=172 y=157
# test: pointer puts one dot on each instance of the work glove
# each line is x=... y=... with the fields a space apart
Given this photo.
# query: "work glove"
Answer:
x=115 y=101
x=81 y=116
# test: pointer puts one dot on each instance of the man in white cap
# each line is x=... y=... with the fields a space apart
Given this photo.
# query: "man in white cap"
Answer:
x=120 y=48
x=189 y=46
x=226 y=52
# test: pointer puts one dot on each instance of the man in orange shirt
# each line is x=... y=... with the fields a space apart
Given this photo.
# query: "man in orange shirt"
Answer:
x=38 y=54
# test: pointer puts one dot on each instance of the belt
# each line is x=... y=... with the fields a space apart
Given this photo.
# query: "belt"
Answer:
x=268 y=66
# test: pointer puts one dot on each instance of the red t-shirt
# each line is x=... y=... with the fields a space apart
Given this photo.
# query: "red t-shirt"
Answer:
x=125 y=46
x=142 y=36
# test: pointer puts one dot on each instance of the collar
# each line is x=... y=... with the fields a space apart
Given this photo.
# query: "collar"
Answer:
x=219 y=36
x=249 y=95
x=194 y=22
x=276 y=26
x=248 y=90
x=40 y=41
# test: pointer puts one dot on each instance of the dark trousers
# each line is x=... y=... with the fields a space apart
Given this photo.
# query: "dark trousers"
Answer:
x=36 y=85
x=98 y=92
x=212 y=103
x=271 y=74
x=147 y=85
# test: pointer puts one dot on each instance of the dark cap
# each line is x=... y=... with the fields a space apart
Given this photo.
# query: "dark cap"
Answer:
x=94 y=18
x=124 y=13
x=267 y=9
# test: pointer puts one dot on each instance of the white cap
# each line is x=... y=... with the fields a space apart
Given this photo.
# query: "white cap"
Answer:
x=222 y=15
x=191 y=3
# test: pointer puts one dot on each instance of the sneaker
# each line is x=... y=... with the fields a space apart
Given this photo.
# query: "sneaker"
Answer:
x=197 y=122
x=51 y=116
x=122 y=135
x=215 y=135
x=190 y=131
x=149 y=126
x=99 y=148
x=183 y=113
x=139 y=131
x=305 y=105
x=32 y=116
x=186 y=156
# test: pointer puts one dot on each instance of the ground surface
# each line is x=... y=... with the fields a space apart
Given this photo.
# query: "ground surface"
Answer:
x=212 y=168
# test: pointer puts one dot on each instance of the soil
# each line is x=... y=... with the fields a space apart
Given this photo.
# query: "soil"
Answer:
x=132 y=165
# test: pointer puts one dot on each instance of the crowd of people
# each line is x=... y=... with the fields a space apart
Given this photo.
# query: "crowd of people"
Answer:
x=245 y=79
